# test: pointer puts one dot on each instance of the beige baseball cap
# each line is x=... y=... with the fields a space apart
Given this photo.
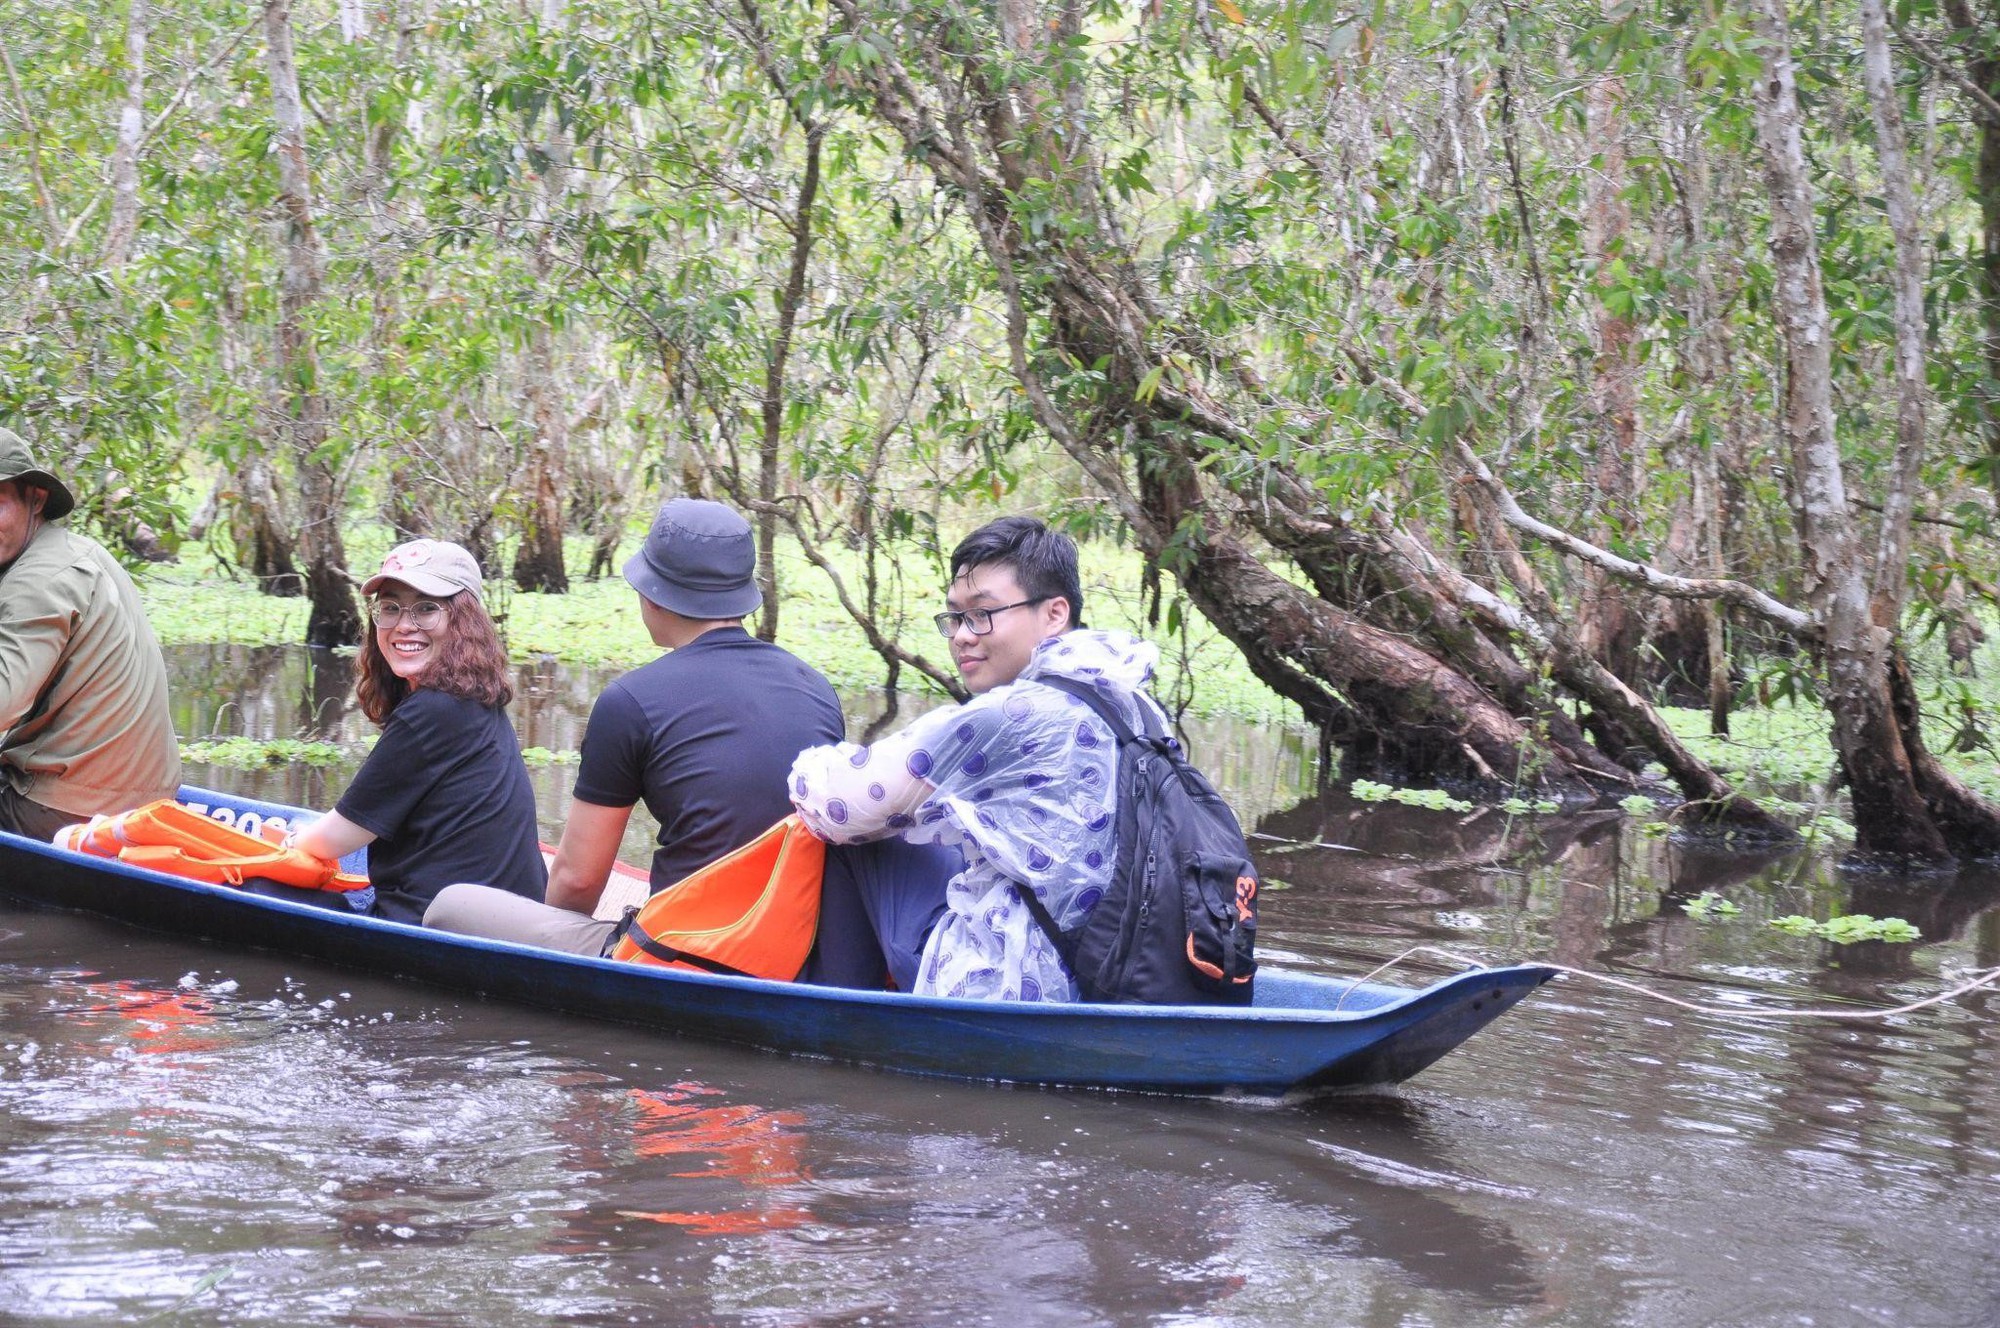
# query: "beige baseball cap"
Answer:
x=430 y=567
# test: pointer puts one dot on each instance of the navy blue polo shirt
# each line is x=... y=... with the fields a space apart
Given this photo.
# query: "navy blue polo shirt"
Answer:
x=705 y=736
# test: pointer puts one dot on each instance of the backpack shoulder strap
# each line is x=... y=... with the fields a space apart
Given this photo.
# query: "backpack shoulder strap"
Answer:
x=1065 y=945
x=1106 y=711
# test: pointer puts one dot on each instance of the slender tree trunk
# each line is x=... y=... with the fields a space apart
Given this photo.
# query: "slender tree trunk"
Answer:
x=791 y=300
x=1714 y=639
x=1709 y=429
x=124 y=227
x=1892 y=575
x=334 y=619
x=770 y=454
x=538 y=563
x=1890 y=817
x=1609 y=625
x=45 y=200
x=1980 y=38
x=382 y=124
x=119 y=510
x=378 y=146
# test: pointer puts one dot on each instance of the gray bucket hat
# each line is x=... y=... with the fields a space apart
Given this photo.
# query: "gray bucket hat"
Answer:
x=18 y=463
x=699 y=561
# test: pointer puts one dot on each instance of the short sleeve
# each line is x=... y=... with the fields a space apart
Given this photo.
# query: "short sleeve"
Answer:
x=612 y=769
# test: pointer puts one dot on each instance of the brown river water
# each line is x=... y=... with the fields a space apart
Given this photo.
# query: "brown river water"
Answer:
x=206 y=1136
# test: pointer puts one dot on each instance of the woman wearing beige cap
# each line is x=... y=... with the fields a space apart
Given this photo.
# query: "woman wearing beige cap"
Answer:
x=444 y=797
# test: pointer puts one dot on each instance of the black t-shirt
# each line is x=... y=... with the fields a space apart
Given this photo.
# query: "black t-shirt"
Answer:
x=448 y=800
x=706 y=736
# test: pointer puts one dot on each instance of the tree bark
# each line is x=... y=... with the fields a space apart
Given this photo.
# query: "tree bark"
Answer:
x=124 y=226
x=1892 y=566
x=257 y=528
x=1393 y=701
x=1608 y=623
x=334 y=618
x=1891 y=819
x=538 y=563
x=1981 y=44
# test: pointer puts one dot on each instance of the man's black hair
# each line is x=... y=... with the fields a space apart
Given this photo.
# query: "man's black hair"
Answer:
x=1044 y=560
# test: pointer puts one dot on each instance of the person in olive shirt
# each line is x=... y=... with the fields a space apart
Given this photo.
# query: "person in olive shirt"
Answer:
x=84 y=726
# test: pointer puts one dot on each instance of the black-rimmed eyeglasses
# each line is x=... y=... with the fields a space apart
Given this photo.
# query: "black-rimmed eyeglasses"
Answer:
x=978 y=621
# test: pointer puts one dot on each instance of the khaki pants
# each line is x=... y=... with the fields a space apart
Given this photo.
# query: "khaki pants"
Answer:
x=481 y=910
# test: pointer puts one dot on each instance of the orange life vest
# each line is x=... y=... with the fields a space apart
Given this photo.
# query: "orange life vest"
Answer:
x=167 y=837
x=752 y=913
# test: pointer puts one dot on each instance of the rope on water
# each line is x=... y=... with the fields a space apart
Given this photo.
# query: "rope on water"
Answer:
x=1986 y=979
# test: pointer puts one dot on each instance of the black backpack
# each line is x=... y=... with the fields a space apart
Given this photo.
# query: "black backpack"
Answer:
x=1178 y=923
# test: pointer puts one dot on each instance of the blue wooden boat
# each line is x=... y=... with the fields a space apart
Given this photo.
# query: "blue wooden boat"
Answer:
x=1304 y=1031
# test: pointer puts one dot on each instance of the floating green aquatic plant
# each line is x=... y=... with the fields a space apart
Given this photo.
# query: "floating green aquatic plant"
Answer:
x=1709 y=904
x=536 y=758
x=1524 y=806
x=262 y=754
x=1437 y=800
x=1848 y=928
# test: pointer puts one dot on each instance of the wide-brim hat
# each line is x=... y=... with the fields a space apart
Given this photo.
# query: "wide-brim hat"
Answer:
x=699 y=560
x=17 y=462
x=430 y=567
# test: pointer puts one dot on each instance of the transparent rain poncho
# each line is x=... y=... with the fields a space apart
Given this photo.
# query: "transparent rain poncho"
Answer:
x=1022 y=781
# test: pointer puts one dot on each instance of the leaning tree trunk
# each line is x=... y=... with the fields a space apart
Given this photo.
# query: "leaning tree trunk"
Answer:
x=1392 y=707
x=334 y=619
x=1393 y=701
x=1891 y=817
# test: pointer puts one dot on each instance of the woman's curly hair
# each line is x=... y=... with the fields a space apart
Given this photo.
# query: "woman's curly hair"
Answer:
x=470 y=663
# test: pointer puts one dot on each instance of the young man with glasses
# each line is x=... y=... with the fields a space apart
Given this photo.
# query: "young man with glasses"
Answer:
x=939 y=828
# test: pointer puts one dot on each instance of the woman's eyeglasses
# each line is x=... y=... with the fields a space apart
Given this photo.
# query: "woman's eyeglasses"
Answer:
x=424 y=615
x=978 y=621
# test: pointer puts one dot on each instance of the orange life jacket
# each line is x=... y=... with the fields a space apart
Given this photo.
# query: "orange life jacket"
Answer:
x=752 y=913
x=167 y=837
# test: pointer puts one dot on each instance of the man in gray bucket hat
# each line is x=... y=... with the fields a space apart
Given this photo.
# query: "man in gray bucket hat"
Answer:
x=704 y=736
x=84 y=725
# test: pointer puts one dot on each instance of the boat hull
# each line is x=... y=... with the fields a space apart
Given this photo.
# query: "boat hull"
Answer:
x=1305 y=1031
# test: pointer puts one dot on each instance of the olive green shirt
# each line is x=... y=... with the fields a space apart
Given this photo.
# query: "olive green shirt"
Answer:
x=84 y=726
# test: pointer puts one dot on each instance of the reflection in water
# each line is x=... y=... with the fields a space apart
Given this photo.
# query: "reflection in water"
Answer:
x=738 y=1143
x=288 y=1144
